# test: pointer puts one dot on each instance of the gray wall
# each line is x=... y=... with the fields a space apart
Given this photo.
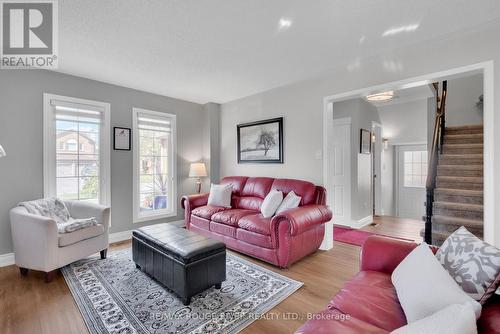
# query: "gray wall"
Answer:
x=463 y=93
x=362 y=115
x=402 y=123
x=302 y=103
x=21 y=111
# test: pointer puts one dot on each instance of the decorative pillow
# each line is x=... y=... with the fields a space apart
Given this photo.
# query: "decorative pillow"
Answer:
x=220 y=195
x=424 y=287
x=454 y=319
x=291 y=201
x=473 y=264
x=271 y=203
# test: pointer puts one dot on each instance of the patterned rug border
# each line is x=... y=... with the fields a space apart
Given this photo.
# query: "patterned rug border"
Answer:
x=94 y=328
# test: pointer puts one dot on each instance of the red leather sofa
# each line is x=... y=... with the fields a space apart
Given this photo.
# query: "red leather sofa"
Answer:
x=368 y=303
x=280 y=240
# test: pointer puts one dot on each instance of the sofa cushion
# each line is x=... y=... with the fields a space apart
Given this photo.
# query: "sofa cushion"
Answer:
x=223 y=229
x=333 y=321
x=238 y=182
x=257 y=187
x=371 y=297
x=231 y=217
x=256 y=223
x=207 y=211
x=66 y=239
x=304 y=189
x=257 y=239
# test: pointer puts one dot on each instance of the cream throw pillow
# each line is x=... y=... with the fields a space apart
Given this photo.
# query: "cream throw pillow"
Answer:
x=271 y=203
x=291 y=201
x=220 y=195
x=424 y=287
x=453 y=319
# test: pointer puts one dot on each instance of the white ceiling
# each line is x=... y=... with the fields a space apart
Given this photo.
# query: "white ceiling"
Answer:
x=221 y=50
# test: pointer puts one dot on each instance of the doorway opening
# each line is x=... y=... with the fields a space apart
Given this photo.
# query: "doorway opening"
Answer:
x=389 y=183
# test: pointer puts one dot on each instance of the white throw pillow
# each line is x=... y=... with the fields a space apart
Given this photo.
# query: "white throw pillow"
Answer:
x=291 y=201
x=425 y=287
x=271 y=203
x=454 y=319
x=220 y=195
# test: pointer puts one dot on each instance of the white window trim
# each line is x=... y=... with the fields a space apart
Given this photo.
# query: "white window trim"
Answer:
x=49 y=146
x=136 y=151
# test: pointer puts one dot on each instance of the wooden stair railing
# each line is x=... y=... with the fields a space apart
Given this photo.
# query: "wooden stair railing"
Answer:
x=436 y=149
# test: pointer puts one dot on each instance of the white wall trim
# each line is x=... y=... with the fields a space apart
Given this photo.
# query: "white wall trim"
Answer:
x=137 y=216
x=49 y=144
x=7 y=259
x=362 y=222
x=487 y=69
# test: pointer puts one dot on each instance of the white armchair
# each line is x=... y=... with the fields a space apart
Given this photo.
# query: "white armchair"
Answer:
x=39 y=246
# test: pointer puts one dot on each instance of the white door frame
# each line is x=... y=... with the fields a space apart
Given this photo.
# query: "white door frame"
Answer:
x=487 y=69
x=379 y=176
x=347 y=165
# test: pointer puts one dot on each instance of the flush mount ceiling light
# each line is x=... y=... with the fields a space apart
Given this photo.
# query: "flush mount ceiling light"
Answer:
x=380 y=97
x=399 y=30
x=285 y=23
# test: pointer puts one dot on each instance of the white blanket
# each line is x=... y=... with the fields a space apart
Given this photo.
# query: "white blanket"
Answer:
x=55 y=209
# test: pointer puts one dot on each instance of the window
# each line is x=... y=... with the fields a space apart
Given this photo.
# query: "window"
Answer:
x=415 y=169
x=69 y=172
x=154 y=165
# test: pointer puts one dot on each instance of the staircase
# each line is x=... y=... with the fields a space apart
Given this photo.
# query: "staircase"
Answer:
x=458 y=196
x=454 y=187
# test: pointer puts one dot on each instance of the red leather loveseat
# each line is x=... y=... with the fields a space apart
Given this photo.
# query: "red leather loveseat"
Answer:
x=368 y=303
x=280 y=240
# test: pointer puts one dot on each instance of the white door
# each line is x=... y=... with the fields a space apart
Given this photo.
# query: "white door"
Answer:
x=341 y=173
x=412 y=174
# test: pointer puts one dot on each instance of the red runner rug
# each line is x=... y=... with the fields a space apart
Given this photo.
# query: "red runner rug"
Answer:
x=356 y=237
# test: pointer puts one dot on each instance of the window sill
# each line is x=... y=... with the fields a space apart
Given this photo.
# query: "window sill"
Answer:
x=147 y=218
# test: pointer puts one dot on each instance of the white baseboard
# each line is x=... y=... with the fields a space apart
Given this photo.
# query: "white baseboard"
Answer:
x=120 y=236
x=9 y=259
x=362 y=222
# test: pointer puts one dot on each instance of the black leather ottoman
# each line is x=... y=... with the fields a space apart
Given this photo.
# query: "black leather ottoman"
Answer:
x=185 y=262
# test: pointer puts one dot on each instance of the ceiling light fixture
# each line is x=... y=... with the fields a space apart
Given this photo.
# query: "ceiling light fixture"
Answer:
x=285 y=23
x=380 y=97
x=398 y=30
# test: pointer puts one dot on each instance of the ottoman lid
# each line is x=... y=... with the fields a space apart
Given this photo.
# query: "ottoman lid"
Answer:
x=182 y=244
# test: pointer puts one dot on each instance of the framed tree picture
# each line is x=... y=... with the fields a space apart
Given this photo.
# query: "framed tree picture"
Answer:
x=122 y=139
x=261 y=142
x=365 y=144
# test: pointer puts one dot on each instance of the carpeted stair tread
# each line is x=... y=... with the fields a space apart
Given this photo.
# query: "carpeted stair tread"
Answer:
x=459 y=206
x=464 y=129
x=457 y=221
x=459 y=192
x=461 y=179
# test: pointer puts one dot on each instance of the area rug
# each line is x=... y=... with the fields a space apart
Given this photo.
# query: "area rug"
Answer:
x=356 y=237
x=115 y=297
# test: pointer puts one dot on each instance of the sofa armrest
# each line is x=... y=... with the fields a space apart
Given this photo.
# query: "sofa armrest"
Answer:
x=80 y=210
x=302 y=218
x=35 y=239
x=384 y=254
x=194 y=201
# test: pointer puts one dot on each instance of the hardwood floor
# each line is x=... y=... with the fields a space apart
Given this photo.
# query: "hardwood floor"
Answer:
x=29 y=305
x=396 y=227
